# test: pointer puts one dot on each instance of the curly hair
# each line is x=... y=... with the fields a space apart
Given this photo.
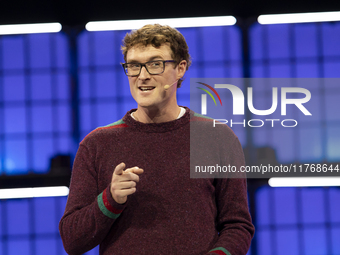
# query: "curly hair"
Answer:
x=156 y=35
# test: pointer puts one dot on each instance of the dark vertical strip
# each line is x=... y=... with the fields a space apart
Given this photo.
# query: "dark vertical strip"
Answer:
x=226 y=31
x=118 y=98
x=246 y=70
x=324 y=129
x=294 y=74
x=244 y=26
x=245 y=31
x=200 y=49
x=300 y=226
x=253 y=185
x=2 y=113
x=292 y=53
x=92 y=74
x=28 y=103
x=319 y=47
x=4 y=227
x=273 y=222
x=55 y=113
x=321 y=89
x=3 y=203
x=72 y=36
x=267 y=61
x=57 y=202
x=31 y=226
x=265 y=50
x=54 y=90
x=328 y=220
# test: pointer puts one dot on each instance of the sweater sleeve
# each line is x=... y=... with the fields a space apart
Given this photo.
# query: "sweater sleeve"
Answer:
x=89 y=213
x=233 y=220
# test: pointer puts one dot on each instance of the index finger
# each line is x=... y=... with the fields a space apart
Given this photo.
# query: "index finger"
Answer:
x=135 y=170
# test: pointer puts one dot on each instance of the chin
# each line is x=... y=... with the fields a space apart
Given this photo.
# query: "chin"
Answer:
x=144 y=104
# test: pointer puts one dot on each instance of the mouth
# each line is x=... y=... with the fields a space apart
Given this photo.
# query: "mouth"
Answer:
x=146 y=88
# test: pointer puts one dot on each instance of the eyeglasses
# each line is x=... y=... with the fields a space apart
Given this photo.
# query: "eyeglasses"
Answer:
x=153 y=67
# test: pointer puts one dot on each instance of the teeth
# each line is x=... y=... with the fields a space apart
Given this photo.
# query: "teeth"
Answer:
x=146 y=88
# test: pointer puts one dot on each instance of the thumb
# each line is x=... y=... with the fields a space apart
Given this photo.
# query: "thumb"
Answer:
x=119 y=169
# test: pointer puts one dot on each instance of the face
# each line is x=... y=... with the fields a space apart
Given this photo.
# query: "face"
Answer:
x=148 y=89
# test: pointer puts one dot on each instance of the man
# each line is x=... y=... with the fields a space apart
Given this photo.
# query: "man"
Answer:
x=131 y=191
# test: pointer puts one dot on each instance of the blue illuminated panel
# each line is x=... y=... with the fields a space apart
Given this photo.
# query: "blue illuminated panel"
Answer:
x=299 y=51
x=295 y=220
x=34 y=102
x=299 y=220
x=30 y=226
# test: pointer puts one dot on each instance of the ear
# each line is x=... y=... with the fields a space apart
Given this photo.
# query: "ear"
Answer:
x=182 y=67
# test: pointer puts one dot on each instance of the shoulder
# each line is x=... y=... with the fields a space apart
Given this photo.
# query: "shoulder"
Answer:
x=196 y=117
x=110 y=130
x=206 y=125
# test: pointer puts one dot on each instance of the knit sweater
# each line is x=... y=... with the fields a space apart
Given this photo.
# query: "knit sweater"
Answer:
x=170 y=213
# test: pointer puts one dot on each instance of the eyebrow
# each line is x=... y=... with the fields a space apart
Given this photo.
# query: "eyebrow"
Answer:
x=150 y=59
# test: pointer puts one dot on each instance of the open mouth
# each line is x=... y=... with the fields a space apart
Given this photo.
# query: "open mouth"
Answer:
x=146 y=88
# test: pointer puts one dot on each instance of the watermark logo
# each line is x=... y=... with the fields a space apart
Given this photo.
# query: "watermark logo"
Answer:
x=238 y=99
x=204 y=97
x=280 y=98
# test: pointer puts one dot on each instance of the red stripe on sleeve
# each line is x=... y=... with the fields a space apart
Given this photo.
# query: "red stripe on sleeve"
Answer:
x=108 y=206
x=219 y=252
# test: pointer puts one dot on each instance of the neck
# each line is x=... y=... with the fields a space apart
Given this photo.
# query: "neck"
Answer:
x=147 y=115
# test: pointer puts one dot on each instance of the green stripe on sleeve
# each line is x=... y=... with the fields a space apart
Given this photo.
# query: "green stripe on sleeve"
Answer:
x=221 y=249
x=103 y=208
x=115 y=123
x=202 y=116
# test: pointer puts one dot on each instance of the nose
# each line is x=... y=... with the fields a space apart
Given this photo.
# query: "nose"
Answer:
x=144 y=74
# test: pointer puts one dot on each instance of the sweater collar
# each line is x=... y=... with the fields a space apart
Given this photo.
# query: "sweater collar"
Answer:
x=157 y=127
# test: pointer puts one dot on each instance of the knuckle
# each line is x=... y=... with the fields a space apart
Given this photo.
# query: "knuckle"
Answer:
x=113 y=186
x=114 y=193
x=119 y=193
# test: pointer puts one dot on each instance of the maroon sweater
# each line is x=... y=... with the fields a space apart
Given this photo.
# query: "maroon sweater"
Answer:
x=170 y=213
